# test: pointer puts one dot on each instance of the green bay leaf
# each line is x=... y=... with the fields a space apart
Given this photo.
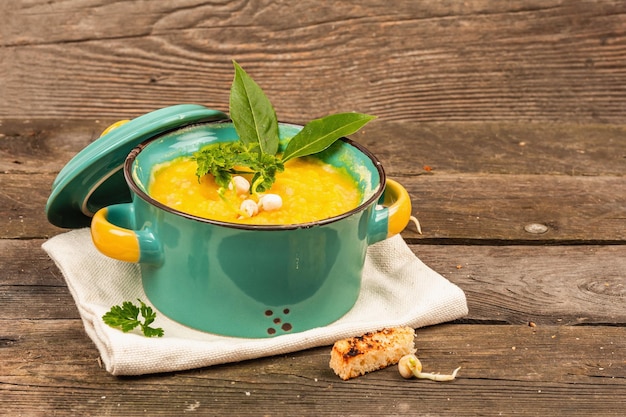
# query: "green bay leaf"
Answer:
x=252 y=113
x=319 y=134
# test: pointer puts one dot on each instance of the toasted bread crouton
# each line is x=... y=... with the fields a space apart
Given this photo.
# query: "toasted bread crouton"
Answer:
x=356 y=356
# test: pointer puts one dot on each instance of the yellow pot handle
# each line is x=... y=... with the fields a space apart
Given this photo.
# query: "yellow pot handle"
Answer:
x=114 y=241
x=398 y=203
x=392 y=213
x=120 y=243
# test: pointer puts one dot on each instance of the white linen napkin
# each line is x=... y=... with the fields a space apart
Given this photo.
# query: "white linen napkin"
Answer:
x=397 y=290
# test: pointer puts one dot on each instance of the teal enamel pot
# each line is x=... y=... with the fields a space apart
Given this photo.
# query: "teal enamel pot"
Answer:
x=247 y=280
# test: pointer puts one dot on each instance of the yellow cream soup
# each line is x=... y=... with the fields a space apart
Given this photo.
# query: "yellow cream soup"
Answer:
x=310 y=190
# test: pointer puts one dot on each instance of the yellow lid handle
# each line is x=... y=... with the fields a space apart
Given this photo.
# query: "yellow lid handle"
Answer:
x=113 y=126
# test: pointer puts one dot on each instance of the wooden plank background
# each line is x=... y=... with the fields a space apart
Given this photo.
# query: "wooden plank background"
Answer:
x=566 y=177
x=481 y=60
x=495 y=115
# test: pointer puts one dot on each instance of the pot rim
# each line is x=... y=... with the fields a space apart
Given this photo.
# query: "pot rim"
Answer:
x=136 y=190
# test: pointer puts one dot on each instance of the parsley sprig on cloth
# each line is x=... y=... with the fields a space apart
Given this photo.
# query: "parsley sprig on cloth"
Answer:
x=126 y=318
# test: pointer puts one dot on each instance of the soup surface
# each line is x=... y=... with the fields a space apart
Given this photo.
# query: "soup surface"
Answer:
x=310 y=190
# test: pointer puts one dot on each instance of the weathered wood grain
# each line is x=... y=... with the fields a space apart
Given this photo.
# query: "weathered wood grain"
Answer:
x=494 y=115
x=503 y=208
x=44 y=146
x=404 y=148
x=409 y=148
x=23 y=200
x=567 y=177
x=547 y=285
x=490 y=209
x=415 y=61
x=521 y=371
x=503 y=284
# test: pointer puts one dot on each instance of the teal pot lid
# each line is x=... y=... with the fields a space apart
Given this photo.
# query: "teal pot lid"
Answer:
x=94 y=178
